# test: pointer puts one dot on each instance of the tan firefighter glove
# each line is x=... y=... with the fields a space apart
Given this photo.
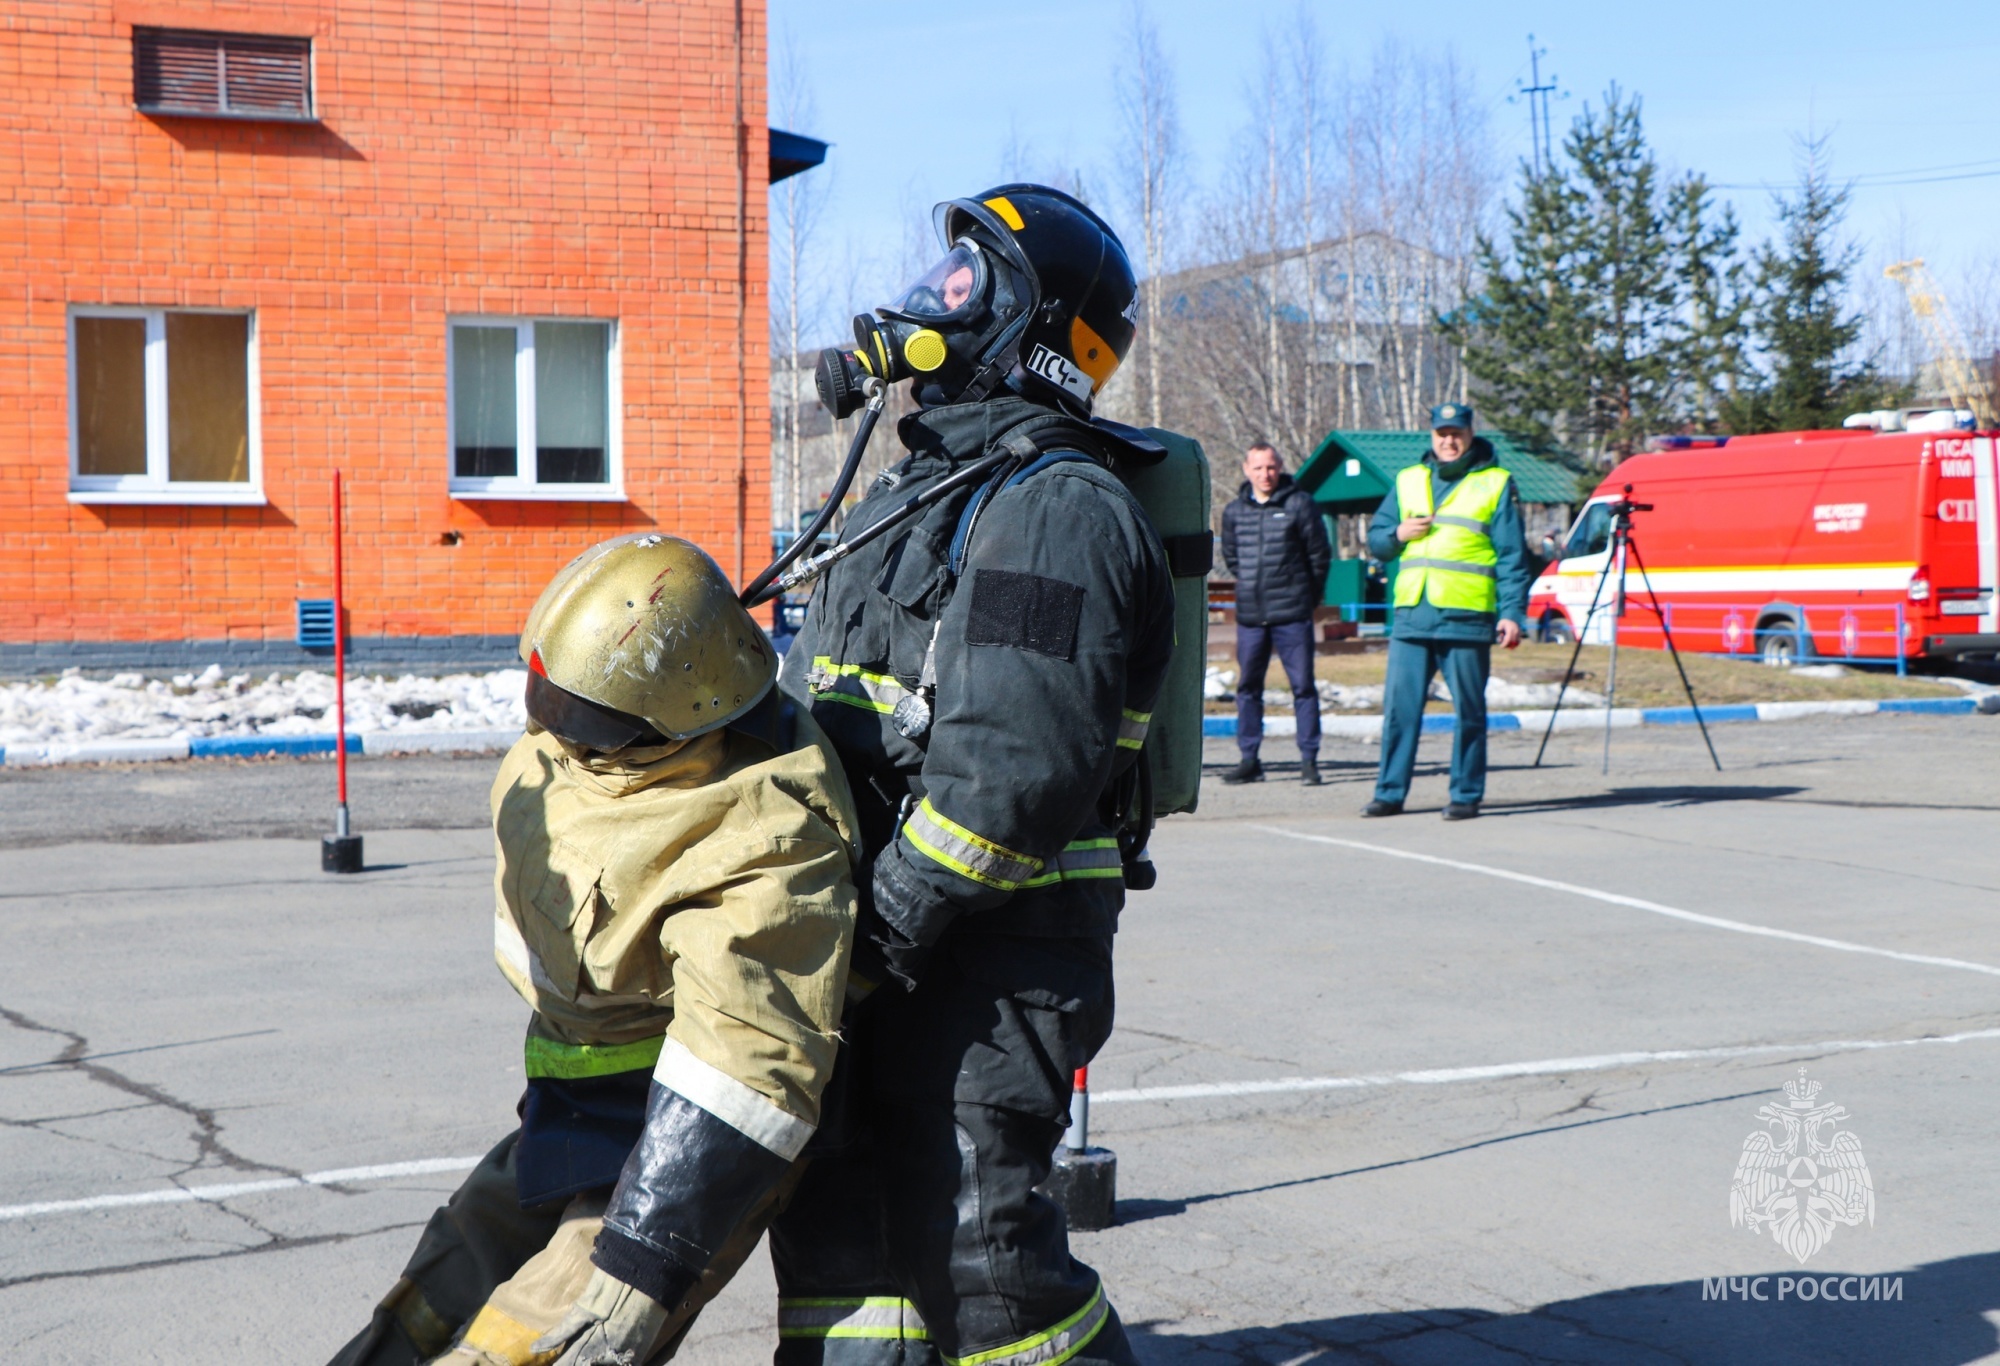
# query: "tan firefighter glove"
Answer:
x=611 y=1324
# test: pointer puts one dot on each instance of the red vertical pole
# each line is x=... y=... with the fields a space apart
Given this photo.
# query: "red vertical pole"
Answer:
x=339 y=663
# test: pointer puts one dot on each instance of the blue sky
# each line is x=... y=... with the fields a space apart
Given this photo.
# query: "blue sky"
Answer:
x=922 y=102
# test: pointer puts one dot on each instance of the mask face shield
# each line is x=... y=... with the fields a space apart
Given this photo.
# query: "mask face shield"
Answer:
x=952 y=291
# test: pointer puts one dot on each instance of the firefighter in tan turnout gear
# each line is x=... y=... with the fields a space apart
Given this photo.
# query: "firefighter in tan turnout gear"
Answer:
x=674 y=901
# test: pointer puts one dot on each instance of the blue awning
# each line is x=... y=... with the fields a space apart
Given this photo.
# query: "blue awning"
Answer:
x=792 y=153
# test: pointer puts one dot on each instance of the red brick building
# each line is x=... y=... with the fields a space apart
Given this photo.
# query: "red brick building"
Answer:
x=501 y=262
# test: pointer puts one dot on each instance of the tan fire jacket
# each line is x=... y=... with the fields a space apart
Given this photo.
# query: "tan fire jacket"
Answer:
x=699 y=890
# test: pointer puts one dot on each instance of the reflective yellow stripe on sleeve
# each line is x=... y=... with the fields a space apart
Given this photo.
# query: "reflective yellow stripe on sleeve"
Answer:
x=878 y=1316
x=854 y=686
x=548 y=1058
x=945 y=841
x=1082 y=859
x=1050 y=1348
x=1132 y=728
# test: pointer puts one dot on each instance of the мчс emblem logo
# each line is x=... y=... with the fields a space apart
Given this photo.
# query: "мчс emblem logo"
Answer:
x=1801 y=1174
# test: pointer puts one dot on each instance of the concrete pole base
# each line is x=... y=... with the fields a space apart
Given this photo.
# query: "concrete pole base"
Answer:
x=1085 y=1186
x=340 y=853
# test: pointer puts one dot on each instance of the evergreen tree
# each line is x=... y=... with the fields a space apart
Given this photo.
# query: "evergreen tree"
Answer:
x=1520 y=337
x=1812 y=376
x=1717 y=297
x=1614 y=309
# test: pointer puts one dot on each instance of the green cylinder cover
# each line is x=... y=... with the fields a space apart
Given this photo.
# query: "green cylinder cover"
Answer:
x=1175 y=494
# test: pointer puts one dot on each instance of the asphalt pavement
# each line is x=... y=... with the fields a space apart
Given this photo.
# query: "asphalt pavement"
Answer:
x=1381 y=1091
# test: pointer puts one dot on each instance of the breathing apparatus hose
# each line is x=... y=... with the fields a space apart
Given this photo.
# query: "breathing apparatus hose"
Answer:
x=754 y=593
x=908 y=508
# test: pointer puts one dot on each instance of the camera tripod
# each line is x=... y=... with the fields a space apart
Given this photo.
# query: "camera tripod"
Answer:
x=1623 y=548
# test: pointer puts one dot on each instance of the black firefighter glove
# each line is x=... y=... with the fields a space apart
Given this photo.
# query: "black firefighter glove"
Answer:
x=892 y=928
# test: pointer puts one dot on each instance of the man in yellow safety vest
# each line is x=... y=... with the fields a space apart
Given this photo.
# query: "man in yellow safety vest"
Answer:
x=1452 y=531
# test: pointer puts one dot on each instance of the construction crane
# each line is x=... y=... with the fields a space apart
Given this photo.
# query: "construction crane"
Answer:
x=1947 y=344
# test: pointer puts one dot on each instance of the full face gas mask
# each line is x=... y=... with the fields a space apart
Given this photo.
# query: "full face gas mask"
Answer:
x=939 y=332
x=1034 y=292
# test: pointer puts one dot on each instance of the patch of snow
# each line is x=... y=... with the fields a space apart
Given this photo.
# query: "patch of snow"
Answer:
x=1964 y=685
x=130 y=706
x=1502 y=695
x=1820 y=671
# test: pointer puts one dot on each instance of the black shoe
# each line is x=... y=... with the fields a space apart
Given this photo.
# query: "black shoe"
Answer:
x=1378 y=807
x=1309 y=772
x=1249 y=771
x=1460 y=811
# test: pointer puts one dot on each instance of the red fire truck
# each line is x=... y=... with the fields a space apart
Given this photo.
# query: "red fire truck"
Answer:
x=1867 y=545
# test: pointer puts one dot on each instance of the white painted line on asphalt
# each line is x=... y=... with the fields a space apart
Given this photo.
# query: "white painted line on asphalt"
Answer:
x=1436 y=1076
x=1639 y=904
x=1599 y=1062
x=180 y=1195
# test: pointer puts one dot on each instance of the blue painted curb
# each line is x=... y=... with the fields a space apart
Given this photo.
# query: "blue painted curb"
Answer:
x=1685 y=716
x=215 y=746
x=1936 y=706
x=1438 y=723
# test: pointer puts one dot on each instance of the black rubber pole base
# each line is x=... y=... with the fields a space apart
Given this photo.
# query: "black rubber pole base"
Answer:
x=1085 y=1186
x=340 y=853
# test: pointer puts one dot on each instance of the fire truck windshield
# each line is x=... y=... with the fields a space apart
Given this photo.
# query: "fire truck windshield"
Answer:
x=1592 y=533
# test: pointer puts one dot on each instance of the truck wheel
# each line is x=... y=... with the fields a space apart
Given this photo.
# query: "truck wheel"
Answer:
x=1778 y=642
x=1555 y=630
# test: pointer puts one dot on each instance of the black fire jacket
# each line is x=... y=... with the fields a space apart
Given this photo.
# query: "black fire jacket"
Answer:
x=1278 y=552
x=1052 y=627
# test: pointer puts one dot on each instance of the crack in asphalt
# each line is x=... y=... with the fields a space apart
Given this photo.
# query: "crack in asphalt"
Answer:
x=37 y=1123
x=206 y=1134
x=276 y=1243
x=210 y=885
x=127 y=1052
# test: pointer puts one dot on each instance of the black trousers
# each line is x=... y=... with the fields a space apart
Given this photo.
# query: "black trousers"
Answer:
x=1292 y=642
x=916 y=1231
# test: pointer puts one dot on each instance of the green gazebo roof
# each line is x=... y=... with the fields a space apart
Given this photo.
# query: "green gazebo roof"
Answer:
x=1353 y=471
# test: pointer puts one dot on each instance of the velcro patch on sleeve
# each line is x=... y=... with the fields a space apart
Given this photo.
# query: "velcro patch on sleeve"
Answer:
x=1024 y=610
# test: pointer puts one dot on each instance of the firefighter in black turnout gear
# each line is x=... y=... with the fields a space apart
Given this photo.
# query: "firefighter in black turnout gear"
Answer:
x=985 y=672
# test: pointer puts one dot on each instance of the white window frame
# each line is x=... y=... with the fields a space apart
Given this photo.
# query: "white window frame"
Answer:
x=522 y=485
x=154 y=486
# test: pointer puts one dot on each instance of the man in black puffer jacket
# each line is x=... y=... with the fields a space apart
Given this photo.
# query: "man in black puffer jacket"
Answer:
x=1275 y=543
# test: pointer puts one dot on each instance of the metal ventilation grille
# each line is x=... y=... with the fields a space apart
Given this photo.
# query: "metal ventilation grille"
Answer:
x=230 y=75
x=315 y=623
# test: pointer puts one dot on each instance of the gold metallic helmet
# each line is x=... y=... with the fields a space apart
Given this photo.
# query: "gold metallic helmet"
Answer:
x=640 y=639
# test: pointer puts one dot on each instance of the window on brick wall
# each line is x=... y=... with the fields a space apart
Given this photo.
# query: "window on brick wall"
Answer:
x=221 y=75
x=532 y=404
x=163 y=406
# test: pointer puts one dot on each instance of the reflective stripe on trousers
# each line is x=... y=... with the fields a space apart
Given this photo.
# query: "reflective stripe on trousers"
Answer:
x=876 y=1316
x=1132 y=728
x=570 y=1061
x=1051 y=1347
